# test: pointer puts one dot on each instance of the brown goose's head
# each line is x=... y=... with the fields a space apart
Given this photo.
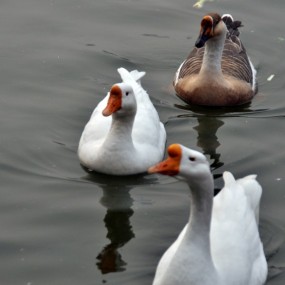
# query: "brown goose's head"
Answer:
x=212 y=25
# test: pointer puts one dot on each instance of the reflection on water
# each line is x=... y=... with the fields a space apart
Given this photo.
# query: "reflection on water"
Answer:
x=207 y=138
x=58 y=58
x=209 y=121
x=118 y=202
x=245 y=110
x=217 y=111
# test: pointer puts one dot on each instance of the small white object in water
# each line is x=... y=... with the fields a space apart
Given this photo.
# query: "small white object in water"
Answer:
x=199 y=4
x=270 y=77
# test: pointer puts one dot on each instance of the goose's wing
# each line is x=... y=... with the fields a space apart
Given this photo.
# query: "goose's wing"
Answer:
x=134 y=76
x=235 y=242
x=253 y=191
x=191 y=65
x=147 y=130
x=235 y=61
x=97 y=127
x=134 y=79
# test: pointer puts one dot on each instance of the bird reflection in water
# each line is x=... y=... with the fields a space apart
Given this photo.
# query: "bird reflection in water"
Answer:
x=207 y=138
x=118 y=202
x=209 y=122
x=119 y=229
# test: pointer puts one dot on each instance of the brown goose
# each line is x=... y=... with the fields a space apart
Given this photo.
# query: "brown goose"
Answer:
x=218 y=71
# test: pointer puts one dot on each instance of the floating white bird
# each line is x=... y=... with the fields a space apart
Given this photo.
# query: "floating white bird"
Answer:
x=218 y=71
x=124 y=134
x=220 y=245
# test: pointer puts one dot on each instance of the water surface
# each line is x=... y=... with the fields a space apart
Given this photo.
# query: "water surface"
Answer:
x=61 y=225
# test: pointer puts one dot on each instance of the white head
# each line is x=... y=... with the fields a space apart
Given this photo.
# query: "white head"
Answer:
x=184 y=162
x=121 y=101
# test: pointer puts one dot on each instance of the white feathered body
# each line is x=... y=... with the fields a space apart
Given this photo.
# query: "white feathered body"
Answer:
x=237 y=252
x=121 y=156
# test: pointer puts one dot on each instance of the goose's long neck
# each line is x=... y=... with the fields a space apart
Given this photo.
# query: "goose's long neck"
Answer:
x=213 y=55
x=120 y=134
x=198 y=233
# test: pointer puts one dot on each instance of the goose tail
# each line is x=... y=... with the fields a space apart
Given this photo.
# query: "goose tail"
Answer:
x=232 y=25
x=229 y=179
x=134 y=75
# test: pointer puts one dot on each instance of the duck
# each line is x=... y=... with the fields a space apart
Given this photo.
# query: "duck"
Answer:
x=220 y=244
x=218 y=71
x=124 y=135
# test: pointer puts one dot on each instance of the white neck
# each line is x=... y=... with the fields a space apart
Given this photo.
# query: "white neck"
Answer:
x=120 y=134
x=213 y=55
x=201 y=202
x=198 y=231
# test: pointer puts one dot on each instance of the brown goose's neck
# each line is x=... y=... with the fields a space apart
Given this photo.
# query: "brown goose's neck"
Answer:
x=213 y=55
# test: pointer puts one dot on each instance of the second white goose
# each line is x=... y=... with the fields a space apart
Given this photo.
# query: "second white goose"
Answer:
x=220 y=244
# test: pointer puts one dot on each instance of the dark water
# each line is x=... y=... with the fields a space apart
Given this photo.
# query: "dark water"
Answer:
x=61 y=225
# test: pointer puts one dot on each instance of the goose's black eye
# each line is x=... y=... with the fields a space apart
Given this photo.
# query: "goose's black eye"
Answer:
x=192 y=158
x=127 y=93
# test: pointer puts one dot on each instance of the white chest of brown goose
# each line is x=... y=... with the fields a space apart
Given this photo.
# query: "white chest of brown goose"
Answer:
x=218 y=71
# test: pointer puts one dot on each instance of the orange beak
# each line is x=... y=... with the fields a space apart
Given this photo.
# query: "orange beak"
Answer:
x=170 y=166
x=115 y=101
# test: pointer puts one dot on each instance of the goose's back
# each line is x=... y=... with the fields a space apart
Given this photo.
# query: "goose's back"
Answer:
x=234 y=62
x=236 y=247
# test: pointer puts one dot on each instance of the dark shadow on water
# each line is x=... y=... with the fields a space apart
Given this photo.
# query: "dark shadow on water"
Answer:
x=118 y=203
x=235 y=111
x=111 y=181
x=214 y=111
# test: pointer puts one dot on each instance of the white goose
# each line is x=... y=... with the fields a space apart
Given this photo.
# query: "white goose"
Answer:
x=129 y=141
x=220 y=245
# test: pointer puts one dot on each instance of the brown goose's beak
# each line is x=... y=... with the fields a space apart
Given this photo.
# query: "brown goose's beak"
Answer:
x=206 y=31
x=200 y=42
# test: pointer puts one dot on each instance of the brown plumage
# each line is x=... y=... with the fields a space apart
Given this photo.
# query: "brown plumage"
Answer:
x=227 y=76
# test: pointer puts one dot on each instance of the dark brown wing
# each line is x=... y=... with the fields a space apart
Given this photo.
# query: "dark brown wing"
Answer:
x=235 y=61
x=192 y=64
